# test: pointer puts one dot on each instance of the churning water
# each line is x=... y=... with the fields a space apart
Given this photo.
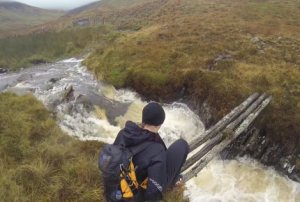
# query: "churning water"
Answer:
x=98 y=111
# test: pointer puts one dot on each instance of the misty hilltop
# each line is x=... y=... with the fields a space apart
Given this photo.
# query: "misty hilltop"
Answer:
x=83 y=8
x=15 y=16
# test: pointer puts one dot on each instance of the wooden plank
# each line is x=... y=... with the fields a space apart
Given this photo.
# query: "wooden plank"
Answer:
x=228 y=130
x=218 y=127
x=217 y=149
x=193 y=159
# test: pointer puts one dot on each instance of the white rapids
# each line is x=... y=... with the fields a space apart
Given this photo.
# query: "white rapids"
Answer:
x=241 y=180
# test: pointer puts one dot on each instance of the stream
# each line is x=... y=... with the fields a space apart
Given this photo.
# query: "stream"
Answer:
x=97 y=111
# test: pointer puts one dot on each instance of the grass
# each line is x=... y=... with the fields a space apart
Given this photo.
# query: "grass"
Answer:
x=180 y=40
x=161 y=47
x=25 y=51
x=38 y=162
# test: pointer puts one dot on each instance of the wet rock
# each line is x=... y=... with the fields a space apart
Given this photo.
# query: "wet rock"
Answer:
x=54 y=80
x=112 y=108
x=38 y=61
x=256 y=143
x=24 y=77
x=295 y=177
x=3 y=70
x=203 y=110
x=206 y=112
x=68 y=95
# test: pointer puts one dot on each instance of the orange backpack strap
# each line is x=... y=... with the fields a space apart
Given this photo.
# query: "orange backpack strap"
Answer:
x=144 y=183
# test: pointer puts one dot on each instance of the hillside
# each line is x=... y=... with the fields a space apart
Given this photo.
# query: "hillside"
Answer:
x=96 y=11
x=83 y=8
x=220 y=52
x=15 y=16
x=101 y=7
x=213 y=52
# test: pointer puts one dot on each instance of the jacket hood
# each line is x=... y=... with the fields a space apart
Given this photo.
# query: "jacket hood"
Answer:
x=133 y=135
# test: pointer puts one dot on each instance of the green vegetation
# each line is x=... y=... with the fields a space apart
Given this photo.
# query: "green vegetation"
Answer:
x=162 y=46
x=38 y=162
x=27 y=50
x=180 y=40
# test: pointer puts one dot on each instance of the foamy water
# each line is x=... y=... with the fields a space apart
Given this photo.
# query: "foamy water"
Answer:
x=242 y=180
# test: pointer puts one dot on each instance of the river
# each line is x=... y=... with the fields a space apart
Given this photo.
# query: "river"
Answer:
x=240 y=180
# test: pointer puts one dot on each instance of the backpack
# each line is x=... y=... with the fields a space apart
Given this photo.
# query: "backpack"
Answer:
x=118 y=172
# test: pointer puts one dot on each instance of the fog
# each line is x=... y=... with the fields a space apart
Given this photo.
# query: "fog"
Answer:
x=55 y=4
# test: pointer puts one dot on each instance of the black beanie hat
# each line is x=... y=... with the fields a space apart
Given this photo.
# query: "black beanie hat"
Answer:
x=153 y=114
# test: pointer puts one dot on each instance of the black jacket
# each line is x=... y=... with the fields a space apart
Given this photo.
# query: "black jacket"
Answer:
x=151 y=162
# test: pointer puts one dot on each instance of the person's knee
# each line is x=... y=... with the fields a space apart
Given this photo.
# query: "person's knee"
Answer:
x=184 y=145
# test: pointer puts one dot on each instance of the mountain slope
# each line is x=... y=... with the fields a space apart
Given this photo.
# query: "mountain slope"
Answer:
x=221 y=52
x=104 y=6
x=83 y=8
x=15 y=16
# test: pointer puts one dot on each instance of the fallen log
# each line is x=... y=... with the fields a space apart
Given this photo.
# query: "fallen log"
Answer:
x=217 y=149
x=218 y=127
x=219 y=137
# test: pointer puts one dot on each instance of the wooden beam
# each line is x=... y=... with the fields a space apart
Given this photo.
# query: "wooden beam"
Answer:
x=217 y=149
x=193 y=159
x=218 y=127
x=220 y=136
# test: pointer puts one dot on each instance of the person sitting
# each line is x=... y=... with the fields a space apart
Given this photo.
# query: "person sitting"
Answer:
x=161 y=165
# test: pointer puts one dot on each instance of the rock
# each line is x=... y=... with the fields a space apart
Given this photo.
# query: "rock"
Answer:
x=165 y=26
x=295 y=177
x=256 y=143
x=215 y=61
x=24 y=77
x=255 y=39
x=68 y=95
x=205 y=112
x=262 y=51
x=3 y=70
x=54 y=80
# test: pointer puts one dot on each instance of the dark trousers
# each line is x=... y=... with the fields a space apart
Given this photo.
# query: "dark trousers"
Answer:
x=176 y=156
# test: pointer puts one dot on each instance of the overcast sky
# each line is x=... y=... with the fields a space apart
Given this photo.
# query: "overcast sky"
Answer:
x=57 y=4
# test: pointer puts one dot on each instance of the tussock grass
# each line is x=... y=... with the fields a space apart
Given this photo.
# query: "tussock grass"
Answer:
x=38 y=162
x=180 y=40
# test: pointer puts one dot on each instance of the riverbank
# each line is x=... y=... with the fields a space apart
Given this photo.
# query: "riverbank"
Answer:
x=40 y=162
x=215 y=55
x=91 y=110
